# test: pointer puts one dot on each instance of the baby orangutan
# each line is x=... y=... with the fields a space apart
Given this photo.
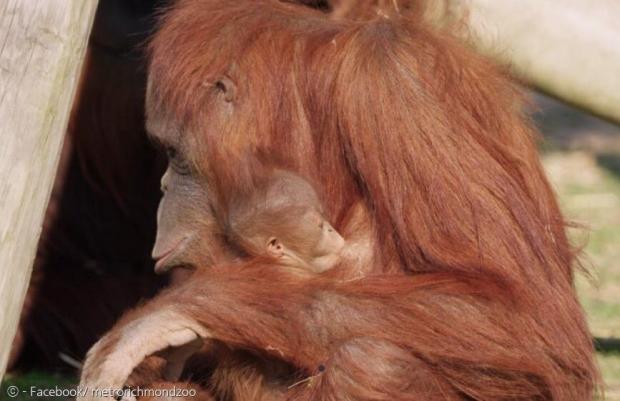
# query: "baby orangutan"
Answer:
x=283 y=219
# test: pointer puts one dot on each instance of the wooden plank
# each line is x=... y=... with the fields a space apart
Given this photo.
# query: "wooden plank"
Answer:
x=569 y=49
x=42 y=46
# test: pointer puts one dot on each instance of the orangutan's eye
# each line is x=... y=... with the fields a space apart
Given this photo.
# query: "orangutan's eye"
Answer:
x=171 y=153
x=177 y=163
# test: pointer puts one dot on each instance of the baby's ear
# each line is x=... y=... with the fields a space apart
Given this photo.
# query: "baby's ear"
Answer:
x=275 y=247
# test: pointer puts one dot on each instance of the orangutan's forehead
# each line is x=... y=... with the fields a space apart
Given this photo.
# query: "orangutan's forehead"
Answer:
x=162 y=130
x=225 y=35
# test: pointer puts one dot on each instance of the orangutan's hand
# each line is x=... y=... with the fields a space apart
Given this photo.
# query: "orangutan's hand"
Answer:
x=112 y=359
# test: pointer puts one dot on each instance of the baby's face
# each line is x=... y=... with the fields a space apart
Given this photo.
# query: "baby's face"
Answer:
x=327 y=250
x=317 y=248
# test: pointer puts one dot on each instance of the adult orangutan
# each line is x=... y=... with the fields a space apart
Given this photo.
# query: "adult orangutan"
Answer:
x=462 y=286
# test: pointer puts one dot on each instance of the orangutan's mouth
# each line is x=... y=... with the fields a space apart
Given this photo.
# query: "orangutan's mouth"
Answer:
x=171 y=258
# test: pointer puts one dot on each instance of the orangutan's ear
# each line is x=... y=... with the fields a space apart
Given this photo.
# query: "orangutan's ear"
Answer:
x=275 y=247
x=227 y=88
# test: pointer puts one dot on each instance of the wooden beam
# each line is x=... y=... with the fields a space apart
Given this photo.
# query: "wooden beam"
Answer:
x=42 y=46
x=569 y=49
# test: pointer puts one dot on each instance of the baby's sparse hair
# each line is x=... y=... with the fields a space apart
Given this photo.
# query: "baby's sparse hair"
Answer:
x=284 y=212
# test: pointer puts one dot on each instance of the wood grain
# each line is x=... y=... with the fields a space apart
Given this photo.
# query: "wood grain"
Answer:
x=42 y=46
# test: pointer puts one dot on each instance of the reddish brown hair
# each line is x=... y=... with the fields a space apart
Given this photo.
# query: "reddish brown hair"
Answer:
x=430 y=137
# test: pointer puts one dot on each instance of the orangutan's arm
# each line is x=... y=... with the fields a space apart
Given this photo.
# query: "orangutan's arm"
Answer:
x=395 y=321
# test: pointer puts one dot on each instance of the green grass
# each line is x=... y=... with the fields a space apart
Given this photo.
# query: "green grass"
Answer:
x=589 y=194
x=610 y=365
x=582 y=157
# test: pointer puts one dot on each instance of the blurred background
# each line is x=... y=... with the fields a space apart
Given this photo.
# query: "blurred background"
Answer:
x=581 y=155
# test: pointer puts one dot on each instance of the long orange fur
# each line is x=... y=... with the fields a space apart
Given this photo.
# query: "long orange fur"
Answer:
x=470 y=295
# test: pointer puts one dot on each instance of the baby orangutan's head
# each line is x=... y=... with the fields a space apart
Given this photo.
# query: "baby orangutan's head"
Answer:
x=283 y=219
